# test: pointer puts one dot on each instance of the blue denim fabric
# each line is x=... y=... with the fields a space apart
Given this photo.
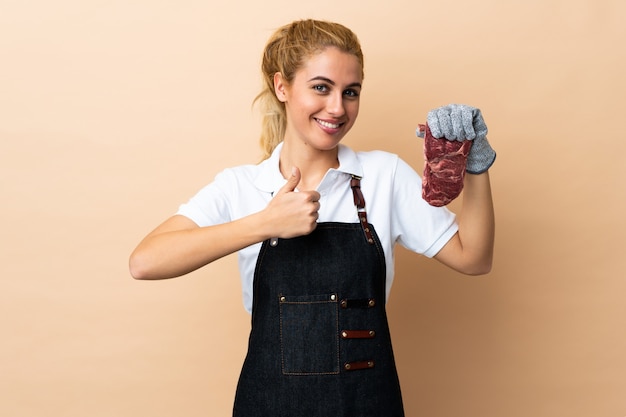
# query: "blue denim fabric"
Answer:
x=295 y=366
x=309 y=334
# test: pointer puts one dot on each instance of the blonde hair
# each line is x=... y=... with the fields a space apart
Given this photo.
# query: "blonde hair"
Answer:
x=285 y=53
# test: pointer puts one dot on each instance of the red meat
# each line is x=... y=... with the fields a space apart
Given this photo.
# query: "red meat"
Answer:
x=444 y=168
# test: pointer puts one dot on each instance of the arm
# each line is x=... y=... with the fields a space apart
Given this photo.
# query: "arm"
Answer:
x=470 y=250
x=179 y=246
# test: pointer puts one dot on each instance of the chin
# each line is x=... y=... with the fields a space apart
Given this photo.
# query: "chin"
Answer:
x=329 y=141
x=325 y=146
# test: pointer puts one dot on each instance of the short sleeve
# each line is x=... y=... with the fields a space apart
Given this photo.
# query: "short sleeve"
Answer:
x=212 y=204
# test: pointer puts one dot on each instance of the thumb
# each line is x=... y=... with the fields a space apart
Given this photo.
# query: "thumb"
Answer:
x=421 y=131
x=292 y=181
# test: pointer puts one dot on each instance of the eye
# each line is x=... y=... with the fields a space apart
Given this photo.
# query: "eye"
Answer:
x=320 y=88
x=351 y=93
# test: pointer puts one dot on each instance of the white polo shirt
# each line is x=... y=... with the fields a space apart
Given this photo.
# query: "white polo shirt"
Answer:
x=391 y=188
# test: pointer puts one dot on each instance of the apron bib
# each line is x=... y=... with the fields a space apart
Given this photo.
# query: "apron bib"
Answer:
x=319 y=344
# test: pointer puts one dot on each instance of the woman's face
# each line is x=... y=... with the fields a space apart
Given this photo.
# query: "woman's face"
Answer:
x=322 y=102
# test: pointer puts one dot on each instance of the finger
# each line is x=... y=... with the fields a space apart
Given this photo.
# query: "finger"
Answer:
x=480 y=128
x=443 y=115
x=456 y=123
x=292 y=181
x=433 y=124
x=315 y=196
x=421 y=131
x=468 y=123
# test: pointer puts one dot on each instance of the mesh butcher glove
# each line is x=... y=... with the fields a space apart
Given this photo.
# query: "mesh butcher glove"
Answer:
x=460 y=122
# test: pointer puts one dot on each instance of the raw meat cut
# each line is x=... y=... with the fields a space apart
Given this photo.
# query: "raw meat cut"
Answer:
x=444 y=168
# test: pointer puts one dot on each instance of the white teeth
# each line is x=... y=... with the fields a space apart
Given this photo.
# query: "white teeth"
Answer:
x=328 y=125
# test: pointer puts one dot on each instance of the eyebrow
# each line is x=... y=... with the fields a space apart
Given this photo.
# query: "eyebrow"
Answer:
x=331 y=82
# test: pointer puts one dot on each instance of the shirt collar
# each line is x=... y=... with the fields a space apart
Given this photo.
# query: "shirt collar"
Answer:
x=349 y=162
x=270 y=179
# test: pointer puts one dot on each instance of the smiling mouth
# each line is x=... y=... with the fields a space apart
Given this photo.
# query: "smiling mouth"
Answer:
x=329 y=125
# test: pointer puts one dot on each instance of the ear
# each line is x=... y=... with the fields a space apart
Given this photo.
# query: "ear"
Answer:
x=280 y=87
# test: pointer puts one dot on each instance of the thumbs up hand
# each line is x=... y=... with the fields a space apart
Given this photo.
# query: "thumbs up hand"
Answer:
x=293 y=213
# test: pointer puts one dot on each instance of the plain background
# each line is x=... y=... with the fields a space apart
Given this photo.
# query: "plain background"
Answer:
x=114 y=112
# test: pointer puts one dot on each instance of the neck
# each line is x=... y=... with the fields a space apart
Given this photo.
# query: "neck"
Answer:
x=312 y=163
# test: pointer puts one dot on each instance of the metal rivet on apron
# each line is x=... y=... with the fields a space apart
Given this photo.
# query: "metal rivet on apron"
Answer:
x=333 y=297
x=274 y=241
x=358 y=334
x=355 y=366
x=358 y=303
x=283 y=299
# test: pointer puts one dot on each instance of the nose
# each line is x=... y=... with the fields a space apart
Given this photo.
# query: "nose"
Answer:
x=335 y=105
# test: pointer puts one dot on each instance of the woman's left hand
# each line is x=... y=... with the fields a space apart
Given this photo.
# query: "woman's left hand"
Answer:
x=462 y=122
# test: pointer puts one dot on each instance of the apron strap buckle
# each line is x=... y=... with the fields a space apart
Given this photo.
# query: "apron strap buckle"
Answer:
x=359 y=202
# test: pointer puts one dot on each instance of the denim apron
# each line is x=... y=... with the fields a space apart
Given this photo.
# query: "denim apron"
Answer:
x=319 y=344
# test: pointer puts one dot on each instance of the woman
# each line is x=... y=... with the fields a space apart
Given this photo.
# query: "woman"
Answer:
x=316 y=261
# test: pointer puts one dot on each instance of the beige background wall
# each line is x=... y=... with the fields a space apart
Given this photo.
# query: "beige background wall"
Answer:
x=114 y=112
